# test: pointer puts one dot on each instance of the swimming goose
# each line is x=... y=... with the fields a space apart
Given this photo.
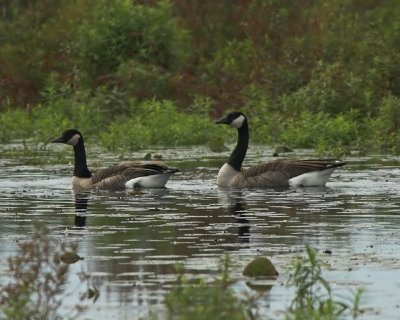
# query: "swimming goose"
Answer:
x=127 y=174
x=276 y=173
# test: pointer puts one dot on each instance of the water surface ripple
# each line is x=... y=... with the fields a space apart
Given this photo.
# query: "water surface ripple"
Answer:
x=131 y=240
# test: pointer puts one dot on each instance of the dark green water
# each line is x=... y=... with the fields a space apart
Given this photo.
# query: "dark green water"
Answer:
x=131 y=240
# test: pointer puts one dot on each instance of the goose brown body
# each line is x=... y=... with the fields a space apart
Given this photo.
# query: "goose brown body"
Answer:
x=276 y=173
x=116 y=176
x=127 y=174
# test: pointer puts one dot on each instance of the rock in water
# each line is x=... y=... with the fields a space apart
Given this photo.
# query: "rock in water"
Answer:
x=260 y=267
x=70 y=257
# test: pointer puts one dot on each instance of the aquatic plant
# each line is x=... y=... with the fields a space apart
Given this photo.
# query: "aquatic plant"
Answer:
x=198 y=299
x=157 y=123
x=14 y=124
x=28 y=153
x=314 y=298
x=37 y=278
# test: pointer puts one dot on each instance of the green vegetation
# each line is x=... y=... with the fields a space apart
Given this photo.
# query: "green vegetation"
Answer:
x=313 y=300
x=39 y=274
x=197 y=299
x=315 y=74
x=37 y=280
x=314 y=297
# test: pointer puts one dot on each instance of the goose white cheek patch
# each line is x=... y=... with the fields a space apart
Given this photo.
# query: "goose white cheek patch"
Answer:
x=74 y=140
x=238 y=122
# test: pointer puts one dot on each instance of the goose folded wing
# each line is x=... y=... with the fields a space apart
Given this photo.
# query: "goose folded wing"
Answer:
x=290 y=168
x=110 y=178
x=278 y=172
x=269 y=179
x=151 y=164
x=113 y=182
x=136 y=172
x=152 y=167
x=294 y=168
x=116 y=176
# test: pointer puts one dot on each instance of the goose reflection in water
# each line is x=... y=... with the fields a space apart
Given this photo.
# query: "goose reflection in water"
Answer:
x=82 y=199
x=232 y=201
x=81 y=204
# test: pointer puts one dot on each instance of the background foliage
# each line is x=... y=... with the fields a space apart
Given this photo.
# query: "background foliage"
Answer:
x=310 y=73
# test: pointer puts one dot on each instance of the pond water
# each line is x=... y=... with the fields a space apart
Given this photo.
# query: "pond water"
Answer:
x=131 y=240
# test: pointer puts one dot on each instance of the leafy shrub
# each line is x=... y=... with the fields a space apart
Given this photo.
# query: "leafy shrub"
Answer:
x=327 y=134
x=14 y=124
x=197 y=299
x=37 y=39
x=234 y=58
x=157 y=123
x=382 y=132
x=54 y=118
x=331 y=89
x=142 y=80
x=85 y=63
x=321 y=131
x=120 y=31
x=131 y=127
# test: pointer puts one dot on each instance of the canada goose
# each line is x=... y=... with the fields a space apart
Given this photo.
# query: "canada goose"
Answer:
x=127 y=174
x=276 y=173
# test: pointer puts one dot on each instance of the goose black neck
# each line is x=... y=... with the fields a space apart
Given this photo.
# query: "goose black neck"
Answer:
x=238 y=154
x=81 y=170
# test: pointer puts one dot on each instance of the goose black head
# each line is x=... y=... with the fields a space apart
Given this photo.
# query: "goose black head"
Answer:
x=233 y=119
x=70 y=136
